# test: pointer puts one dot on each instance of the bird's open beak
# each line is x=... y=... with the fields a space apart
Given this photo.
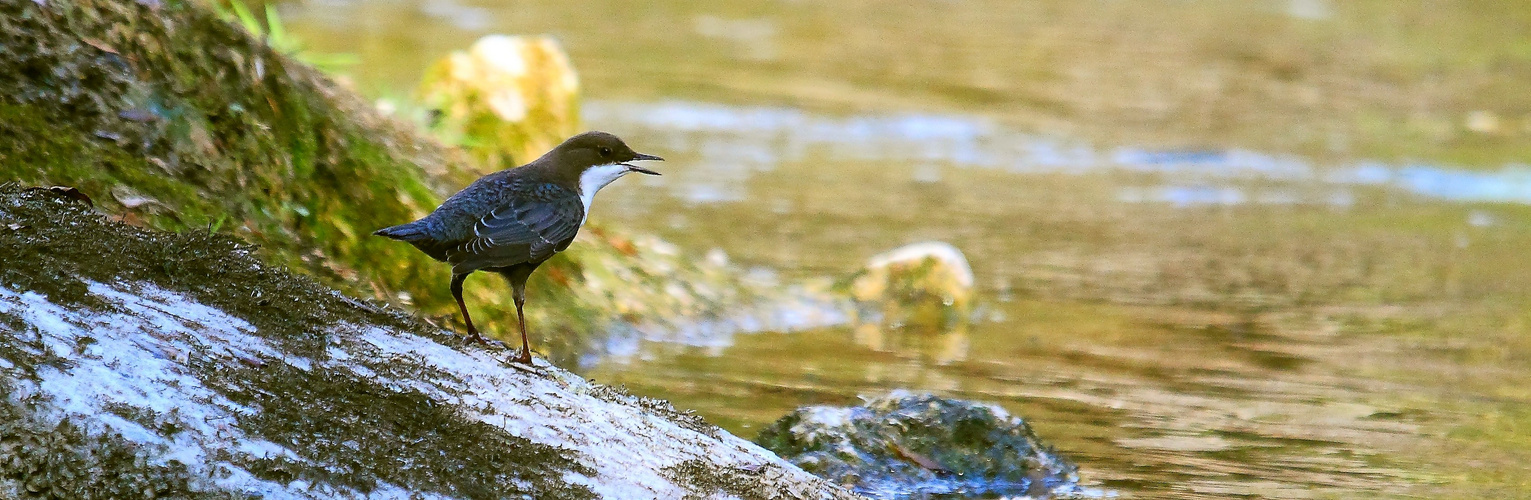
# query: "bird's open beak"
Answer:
x=642 y=170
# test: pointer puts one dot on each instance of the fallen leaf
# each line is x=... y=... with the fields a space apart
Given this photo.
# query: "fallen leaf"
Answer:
x=918 y=459
x=623 y=246
x=71 y=193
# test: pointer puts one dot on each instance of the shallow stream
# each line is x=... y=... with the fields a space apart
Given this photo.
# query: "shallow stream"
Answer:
x=1209 y=321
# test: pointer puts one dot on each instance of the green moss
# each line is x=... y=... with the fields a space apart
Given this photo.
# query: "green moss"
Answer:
x=60 y=242
x=685 y=419
x=358 y=433
x=780 y=440
x=62 y=461
x=167 y=424
x=175 y=119
x=919 y=443
x=503 y=117
x=702 y=476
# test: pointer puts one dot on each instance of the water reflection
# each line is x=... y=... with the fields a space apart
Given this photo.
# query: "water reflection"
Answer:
x=937 y=347
x=795 y=308
x=735 y=142
x=1203 y=195
x=1193 y=407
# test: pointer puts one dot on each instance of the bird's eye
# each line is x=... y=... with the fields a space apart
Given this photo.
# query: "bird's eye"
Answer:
x=605 y=151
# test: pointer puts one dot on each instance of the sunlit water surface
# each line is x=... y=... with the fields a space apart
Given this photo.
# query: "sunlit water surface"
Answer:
x=1196 y=322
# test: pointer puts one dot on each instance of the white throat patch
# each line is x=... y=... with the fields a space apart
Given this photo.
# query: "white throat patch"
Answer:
x=595 y=178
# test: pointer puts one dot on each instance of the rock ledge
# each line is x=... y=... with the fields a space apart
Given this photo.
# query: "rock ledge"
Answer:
x=136 y=363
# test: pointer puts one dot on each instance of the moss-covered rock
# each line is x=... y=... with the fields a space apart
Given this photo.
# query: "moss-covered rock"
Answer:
x=142 y=364
x=506 y=100
x=169 y=116
x=46 y=458
x=913 y=445
x=926 y=285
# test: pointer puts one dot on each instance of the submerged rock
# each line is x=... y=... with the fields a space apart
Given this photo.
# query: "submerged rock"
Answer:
x=927 y=284
x=913 y=445
x=143 y=364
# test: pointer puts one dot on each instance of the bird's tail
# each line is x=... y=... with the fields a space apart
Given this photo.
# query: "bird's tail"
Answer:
x=412 y=232
x=417 y=233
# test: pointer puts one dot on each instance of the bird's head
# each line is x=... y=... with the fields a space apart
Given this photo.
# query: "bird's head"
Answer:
x=598 y=157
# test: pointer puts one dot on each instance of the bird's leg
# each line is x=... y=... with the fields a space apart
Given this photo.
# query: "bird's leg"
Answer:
x=457 y=280
x=526 y=349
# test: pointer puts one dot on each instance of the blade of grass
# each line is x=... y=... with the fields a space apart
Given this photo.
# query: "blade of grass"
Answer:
x=246 y=18
x=275 y=32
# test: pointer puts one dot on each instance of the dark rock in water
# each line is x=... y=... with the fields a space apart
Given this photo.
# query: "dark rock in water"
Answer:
x=906 y=445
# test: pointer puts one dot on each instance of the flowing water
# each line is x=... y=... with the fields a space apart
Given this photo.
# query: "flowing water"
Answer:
x=1240 y=318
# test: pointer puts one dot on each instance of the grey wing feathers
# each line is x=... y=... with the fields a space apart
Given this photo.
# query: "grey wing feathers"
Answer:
x=533 y=225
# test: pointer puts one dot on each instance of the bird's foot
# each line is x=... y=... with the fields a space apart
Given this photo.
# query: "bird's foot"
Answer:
x=525 y=358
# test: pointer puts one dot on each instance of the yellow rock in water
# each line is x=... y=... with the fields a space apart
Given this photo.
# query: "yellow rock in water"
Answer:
x=928 y=284
x=506 y=100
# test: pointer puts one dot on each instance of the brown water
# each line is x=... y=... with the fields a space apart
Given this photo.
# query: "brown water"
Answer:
x=1185 y=322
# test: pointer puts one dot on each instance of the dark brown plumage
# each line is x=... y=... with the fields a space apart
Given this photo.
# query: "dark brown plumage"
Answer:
x=511 y=221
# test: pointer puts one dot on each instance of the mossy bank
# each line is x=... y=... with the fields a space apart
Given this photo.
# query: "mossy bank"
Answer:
x=172 y=117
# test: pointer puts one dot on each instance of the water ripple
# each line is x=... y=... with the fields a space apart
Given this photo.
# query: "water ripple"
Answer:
x=740 y=141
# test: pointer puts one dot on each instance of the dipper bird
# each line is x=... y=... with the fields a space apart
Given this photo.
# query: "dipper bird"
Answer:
x=511 y=221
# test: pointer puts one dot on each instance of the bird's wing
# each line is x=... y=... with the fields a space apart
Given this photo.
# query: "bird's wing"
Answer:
x=536 y=221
